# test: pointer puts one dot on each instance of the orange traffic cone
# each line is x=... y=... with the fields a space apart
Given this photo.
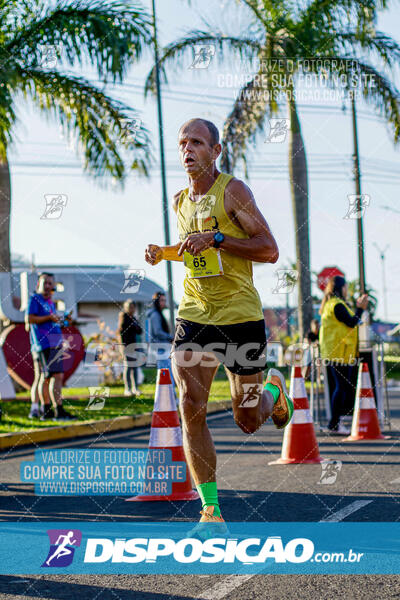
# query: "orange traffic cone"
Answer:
x=166 y=433
x=365 y=425
x=299 y=442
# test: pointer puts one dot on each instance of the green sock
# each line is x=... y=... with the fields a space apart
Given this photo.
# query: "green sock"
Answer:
x=209 y=496
x=275 y=391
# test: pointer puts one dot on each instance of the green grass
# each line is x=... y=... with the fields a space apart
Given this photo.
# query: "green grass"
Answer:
x=392 y=364
x=15 y=412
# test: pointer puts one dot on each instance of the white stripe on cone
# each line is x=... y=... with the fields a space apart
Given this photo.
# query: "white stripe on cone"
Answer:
x=361 y=403
x=297 y=388
x=165 y=398
x=301 y=416
x=365 y=380
x=165 y=437
x=366 y=403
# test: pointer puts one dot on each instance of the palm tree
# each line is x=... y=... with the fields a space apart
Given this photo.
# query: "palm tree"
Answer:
x=284 y=34
x=109 y=36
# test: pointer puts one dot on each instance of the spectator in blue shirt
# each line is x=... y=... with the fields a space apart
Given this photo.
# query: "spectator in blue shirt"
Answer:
x=47 y=349
x=158 y=329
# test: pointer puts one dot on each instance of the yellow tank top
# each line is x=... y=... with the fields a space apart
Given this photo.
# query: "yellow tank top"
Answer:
x=223 y=299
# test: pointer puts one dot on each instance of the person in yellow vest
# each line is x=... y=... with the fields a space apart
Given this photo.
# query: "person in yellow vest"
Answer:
x=220 y=317
x=338 y=339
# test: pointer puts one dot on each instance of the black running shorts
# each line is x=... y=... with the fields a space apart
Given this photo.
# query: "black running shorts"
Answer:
x=242 y=347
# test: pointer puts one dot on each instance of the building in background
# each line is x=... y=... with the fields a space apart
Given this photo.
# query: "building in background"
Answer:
x=100 y=291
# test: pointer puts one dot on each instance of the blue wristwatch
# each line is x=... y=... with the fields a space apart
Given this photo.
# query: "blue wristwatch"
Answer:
x=218 y=239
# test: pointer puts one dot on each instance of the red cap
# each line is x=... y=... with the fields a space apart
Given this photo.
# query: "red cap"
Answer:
x=365 y=367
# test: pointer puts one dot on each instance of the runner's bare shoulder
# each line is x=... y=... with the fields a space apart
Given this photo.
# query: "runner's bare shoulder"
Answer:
x=238 y=197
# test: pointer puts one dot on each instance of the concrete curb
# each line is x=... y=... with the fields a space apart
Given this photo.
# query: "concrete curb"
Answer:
x=77 y=430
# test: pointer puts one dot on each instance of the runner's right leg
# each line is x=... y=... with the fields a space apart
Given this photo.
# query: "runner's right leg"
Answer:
x=194 y=383
x=194 y=373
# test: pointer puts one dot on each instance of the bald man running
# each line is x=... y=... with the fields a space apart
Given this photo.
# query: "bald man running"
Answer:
x=220 y=317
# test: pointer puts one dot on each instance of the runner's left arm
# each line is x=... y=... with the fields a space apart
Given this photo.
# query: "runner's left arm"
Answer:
x=240 y=204
x=242 y=209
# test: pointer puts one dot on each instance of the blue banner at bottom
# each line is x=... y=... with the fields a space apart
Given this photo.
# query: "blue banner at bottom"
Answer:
x=193 y=548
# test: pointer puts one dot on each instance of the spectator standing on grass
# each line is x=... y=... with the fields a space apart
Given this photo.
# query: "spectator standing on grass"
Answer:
x=47 y=351
x=127 y=332
x=158 y=332
x=339 y=346
x=157 y=329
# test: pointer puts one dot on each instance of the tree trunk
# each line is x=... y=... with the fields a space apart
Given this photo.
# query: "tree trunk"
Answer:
x=5 y=208
x=299 y=193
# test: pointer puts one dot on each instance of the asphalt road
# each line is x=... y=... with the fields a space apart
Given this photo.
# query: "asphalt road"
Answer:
x=366 y=489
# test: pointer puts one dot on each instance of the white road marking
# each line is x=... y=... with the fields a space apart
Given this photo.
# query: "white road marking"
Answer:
x=396 y=480
x=222 y=588
x=346 y=511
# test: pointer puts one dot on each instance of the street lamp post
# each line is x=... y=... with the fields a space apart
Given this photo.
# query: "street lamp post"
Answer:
x=382 y=256
x=163 y=172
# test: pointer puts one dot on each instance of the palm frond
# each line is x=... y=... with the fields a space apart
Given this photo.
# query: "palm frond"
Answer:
x=383 y=45
x=174 y=53
x=376 y=89
x=246 y=119
x=342 y=12
x=7 y=120
x=277 y=10
x=258 y=10
x=99 y=122
x=108 y=34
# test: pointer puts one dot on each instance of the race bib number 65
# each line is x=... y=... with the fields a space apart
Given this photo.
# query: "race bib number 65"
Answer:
x=206 y=264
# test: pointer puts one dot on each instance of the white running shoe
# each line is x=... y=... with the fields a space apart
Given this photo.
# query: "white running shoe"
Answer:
x=341 y=430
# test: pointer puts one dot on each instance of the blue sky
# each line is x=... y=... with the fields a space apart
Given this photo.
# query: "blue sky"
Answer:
x=107 y=226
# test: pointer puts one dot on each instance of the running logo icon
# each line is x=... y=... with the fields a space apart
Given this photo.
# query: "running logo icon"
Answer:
x=287 y=279
x=278 y=130
x=62 y=547
x=62 y=352
x=49 y=56
x=330 y=471
x=357 y=205
x=133 y=280
x=55 y=204
x=129 y=129
x=252 y=395
x=203 y=54
x=97 y=397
